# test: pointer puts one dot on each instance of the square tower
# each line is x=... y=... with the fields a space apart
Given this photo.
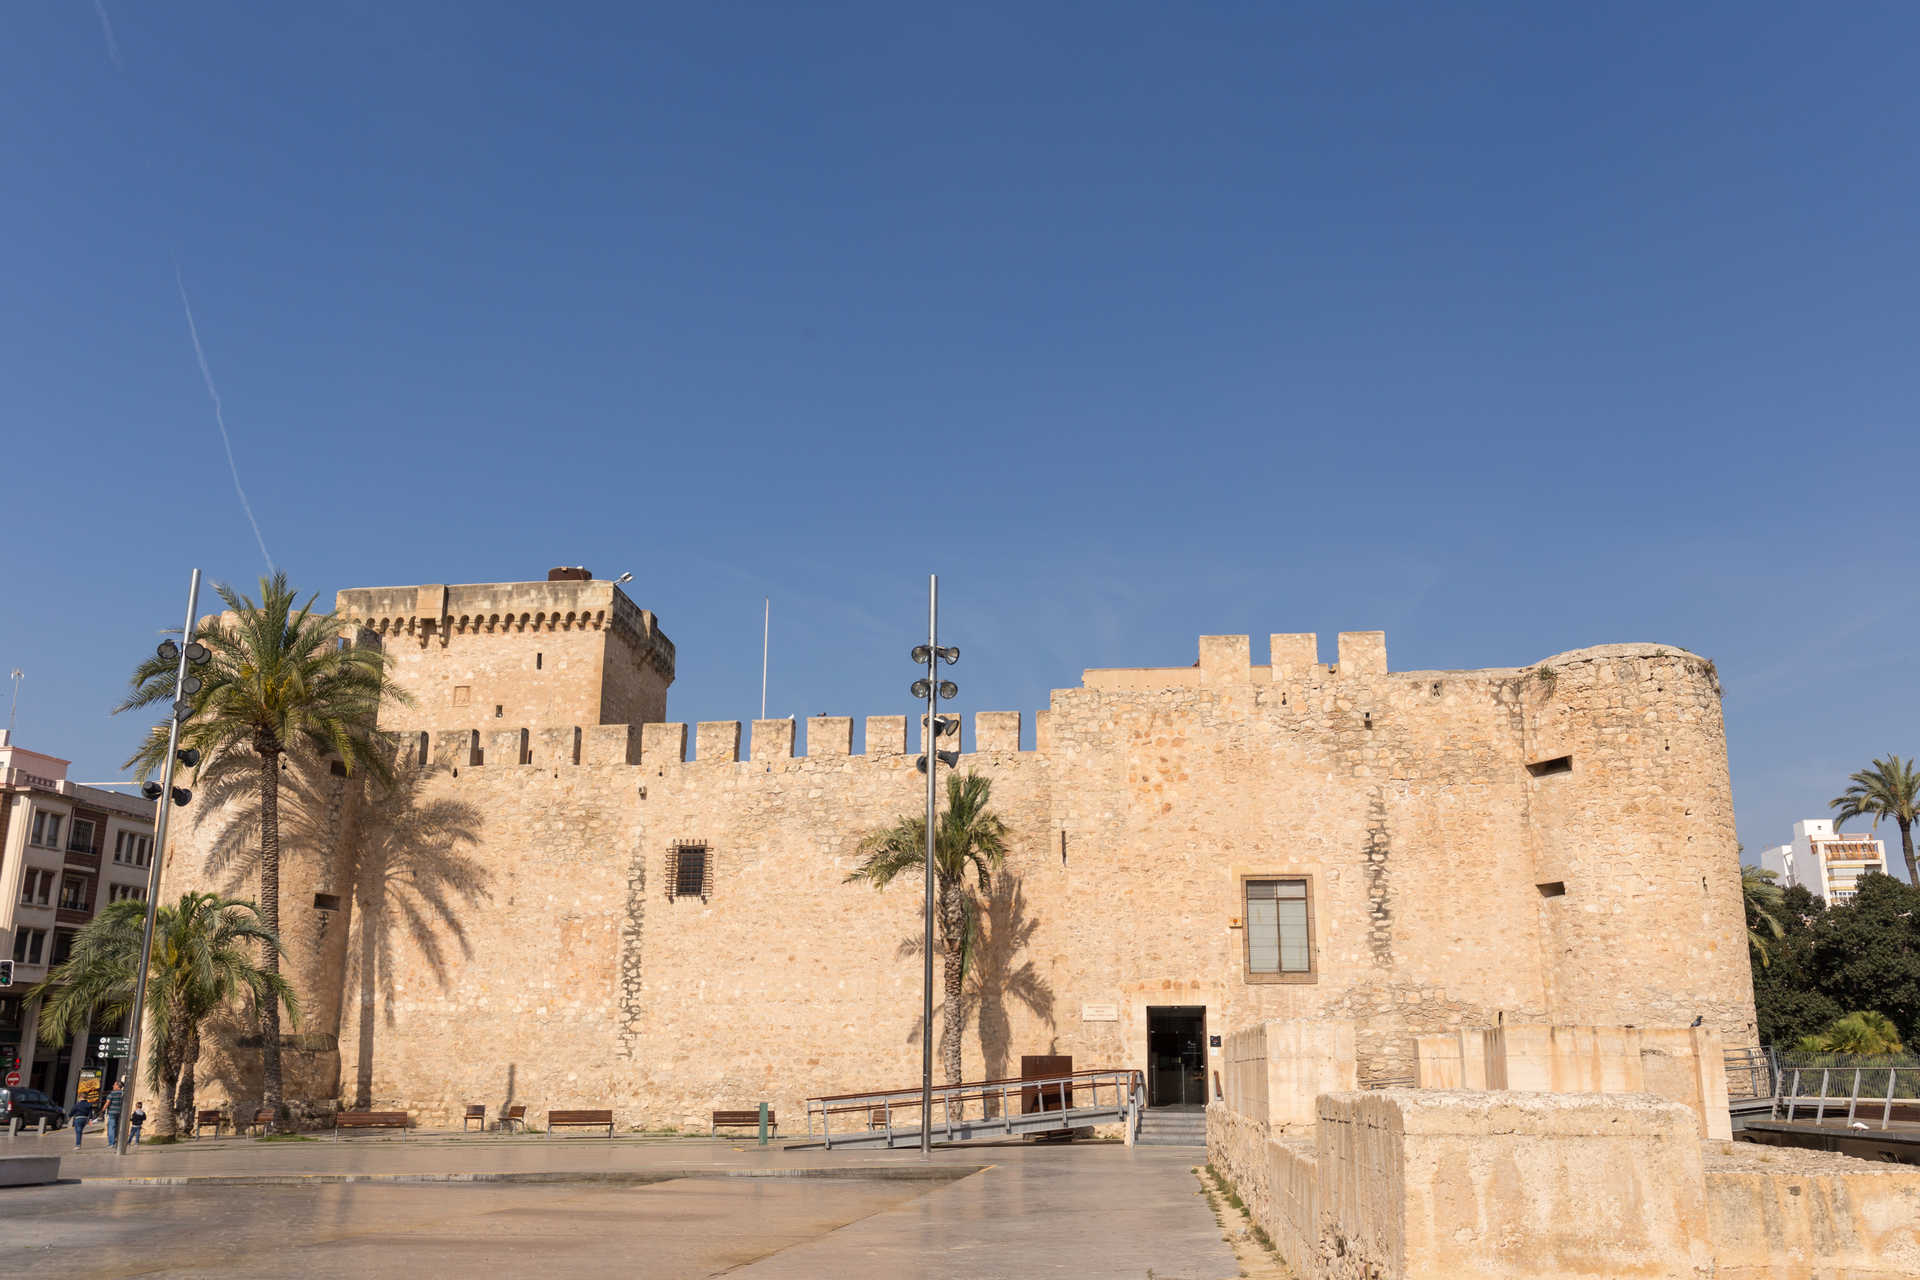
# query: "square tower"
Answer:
x=572 y=650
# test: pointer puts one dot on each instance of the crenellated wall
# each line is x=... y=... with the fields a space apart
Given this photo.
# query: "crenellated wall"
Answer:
x=508 y=929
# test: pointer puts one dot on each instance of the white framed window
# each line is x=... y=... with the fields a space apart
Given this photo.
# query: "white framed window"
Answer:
x=46 y=829
x=29 y=945
x=130 y=848
x=36 y=886
x=80 y=836
x=117 y=892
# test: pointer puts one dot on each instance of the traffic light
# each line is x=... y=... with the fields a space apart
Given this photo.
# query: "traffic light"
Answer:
x=6 y=973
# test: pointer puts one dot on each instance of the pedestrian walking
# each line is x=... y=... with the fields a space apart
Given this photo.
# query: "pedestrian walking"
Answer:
x=116 y=1101
x=138 y=1118
x=81 y=1113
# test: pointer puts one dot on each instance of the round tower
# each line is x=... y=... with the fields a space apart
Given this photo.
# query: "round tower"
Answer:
x=1637 y=867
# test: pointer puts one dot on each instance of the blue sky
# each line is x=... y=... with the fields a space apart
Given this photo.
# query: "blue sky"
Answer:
x=1508 y=329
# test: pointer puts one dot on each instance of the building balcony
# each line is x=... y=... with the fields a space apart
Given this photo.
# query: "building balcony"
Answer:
x=83 y=858
x=72 y=915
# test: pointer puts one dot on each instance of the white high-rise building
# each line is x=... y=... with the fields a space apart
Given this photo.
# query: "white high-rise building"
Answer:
x=1826 y=862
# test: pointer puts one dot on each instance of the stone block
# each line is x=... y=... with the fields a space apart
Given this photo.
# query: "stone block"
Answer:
x=28 y=1171
x=1427 y=1183
x=717 y=740
x=1363 y=653
x=1042 y=730
x=996 y=731
x=829 y=735
x=1293 y=654
x=663 y=743
x=1306 y=1057
x=505 y=746
x=1225 y=660
x=886 y=735
x=773 y=739
x=1688 y=1065
x=1563 y=1059
x=613 y=744
x=1437 y=1061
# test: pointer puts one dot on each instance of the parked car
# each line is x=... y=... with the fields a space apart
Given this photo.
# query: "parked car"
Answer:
x=29 y=1106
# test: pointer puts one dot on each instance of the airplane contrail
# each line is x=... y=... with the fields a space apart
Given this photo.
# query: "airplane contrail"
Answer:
x=219 y=416
x=106 y=25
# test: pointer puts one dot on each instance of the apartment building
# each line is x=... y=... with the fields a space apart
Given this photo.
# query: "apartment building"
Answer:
x=1826 y=862
x=66 y=851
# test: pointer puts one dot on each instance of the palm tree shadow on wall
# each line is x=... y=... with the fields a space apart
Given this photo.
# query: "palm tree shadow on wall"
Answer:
x=997 y=975
x=404 y=864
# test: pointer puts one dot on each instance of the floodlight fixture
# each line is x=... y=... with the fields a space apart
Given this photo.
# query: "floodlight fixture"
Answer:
x=151 y=790
x=946 y=724
x=181 y=795
x=169 y=651
x=182 y=710
x=949 y=690
x=190 y=757
x=951 y=653
x=921 y=689
x=622 y=579
x=198 y=654
x=191 y=685
x=921 y=653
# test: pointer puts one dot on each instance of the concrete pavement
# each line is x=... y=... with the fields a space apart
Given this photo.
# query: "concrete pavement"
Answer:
x=424 y=1205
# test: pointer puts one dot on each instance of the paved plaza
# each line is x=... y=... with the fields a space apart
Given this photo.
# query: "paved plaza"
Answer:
x=427 y=1205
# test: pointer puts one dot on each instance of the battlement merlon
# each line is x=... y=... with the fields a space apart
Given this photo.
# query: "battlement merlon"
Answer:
x=1228 y=660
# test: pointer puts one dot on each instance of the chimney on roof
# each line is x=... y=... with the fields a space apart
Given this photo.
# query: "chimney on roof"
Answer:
x=577 y=573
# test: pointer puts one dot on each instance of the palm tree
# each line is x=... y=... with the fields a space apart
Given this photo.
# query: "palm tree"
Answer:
x=1890 y=789
x=968 y=836
x=1763 y=898
x=280 y=677
x=202 y=961
x=1860 y=1033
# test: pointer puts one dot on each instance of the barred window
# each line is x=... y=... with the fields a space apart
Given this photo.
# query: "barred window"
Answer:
x=1279 y=929
x=689 y=871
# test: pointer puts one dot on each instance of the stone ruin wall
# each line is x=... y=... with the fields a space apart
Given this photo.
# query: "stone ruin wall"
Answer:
x=562 y=975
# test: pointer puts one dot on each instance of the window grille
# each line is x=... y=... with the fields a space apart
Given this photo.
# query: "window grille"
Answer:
x=689 y=871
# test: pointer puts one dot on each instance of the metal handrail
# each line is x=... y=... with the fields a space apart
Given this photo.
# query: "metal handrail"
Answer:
x=1054 y=1093
x=1864 y=1085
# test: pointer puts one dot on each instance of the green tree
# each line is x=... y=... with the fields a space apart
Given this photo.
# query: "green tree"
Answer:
x=1866 y=953
x=1862 y=1032
x=1762 y=898
x=1787 y=998
x=203 y=961
x=1889 y=790
x=968 y=837
x=280 y=677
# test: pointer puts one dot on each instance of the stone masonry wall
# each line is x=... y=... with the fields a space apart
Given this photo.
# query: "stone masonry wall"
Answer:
x=511 y=936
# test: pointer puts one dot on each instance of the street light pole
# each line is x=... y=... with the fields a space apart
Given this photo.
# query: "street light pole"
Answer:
x=164 y=803
x=929 y=739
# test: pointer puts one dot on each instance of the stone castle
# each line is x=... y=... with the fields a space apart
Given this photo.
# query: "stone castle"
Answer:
x=565 y=899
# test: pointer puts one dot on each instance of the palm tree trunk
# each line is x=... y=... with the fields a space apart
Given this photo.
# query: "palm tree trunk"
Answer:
x=270 y=916
x=1906 y=847
x=183 y=1099
x=952 y=922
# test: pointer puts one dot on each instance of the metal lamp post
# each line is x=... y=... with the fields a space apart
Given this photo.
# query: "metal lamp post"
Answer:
x=166 y=795
x=931 y=688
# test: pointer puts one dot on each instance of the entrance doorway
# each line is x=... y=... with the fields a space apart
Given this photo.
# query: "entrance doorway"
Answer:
x=1177 y=1056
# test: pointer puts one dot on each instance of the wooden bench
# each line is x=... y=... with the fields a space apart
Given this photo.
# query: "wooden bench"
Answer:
x=370 y=1120
x=475 y=1111
x=201 y=1119
x=738 y=1119
x=262 y=1118
x=514 y=1115
x=579 y=1119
